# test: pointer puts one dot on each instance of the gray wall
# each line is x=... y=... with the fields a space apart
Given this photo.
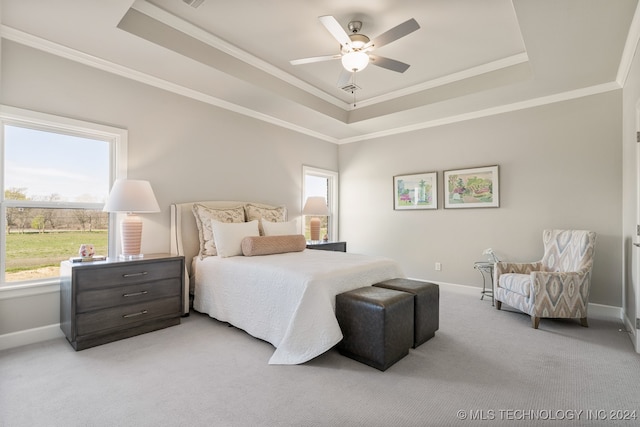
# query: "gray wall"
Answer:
x=187 y=149
x=560 y=167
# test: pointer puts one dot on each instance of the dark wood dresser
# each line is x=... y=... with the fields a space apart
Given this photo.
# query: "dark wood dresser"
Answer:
x=328 y=246
x=105 y=301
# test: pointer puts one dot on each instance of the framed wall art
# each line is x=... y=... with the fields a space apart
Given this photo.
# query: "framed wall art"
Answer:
x=472 y=188
x=416 y=191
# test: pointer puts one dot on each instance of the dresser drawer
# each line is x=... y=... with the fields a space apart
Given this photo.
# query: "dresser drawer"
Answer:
x=95 y=321
x=125 y=274
x=130 y=294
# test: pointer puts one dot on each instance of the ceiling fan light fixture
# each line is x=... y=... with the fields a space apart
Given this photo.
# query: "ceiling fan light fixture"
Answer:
x=358 y=41
x=355 y=61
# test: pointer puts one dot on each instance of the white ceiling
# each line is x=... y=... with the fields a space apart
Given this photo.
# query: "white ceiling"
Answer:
x=469 y=58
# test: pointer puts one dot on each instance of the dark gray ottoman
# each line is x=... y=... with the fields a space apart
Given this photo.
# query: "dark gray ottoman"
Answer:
x=427 y=306
x=377 y=325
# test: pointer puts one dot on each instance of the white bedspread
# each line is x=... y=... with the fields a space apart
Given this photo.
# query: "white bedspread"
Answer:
x=286 y=299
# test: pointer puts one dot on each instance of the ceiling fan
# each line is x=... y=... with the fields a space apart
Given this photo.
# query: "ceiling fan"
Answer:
x=355 y=48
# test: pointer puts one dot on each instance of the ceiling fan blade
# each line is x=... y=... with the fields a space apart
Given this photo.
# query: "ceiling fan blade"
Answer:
x=395 y=33
x=389 y=64
x=335 y=29
x=314 y=59
x=344 y=78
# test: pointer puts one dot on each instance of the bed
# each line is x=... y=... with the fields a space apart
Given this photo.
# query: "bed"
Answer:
x=286 y=299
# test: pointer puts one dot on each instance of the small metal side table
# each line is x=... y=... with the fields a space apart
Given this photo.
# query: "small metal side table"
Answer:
x=485 y=268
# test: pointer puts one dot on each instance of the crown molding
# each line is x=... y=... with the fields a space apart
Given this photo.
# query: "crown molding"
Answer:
x=199 y=34
x=39 y=43
x=450 y=78
x=493 y=111
x=630 y=46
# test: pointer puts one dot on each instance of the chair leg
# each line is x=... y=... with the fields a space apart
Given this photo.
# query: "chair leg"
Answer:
x=583 y=322
x=498 y=305
x=535 y=321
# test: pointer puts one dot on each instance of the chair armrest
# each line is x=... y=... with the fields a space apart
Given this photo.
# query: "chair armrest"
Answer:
x=550 y=291
x=517 y=267
x=513 y=267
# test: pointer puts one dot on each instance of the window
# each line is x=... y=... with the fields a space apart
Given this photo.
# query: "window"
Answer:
x=322 y=182
x=56 y=177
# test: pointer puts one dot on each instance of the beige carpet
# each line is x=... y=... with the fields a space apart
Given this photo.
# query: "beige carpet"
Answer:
x=486 y=365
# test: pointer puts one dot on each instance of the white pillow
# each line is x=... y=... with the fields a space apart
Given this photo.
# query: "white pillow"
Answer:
x=228 y=236
x=279 y=228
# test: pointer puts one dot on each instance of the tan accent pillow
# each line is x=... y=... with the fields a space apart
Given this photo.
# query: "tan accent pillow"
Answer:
x=204 y=215
x=268 y=245
x=252 y=212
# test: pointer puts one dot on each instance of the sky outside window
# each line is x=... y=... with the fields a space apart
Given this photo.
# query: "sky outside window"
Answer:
x=45 y=163
x=315 y=186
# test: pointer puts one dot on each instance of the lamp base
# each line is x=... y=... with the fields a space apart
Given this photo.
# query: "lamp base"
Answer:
x=314 y=226
x=131 y=237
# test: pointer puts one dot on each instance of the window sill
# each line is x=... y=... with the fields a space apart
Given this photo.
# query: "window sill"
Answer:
x=22 y=290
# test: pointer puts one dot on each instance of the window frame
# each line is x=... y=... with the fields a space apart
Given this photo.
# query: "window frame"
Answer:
x=332 y=197
x=117 y=139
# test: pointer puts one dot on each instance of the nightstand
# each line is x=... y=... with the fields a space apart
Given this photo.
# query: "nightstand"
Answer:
x=328 y=246
x=105 y=301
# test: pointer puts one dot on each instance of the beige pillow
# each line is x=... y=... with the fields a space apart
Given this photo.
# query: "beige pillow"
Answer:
x=268 y=245
x=204 y=215
x=252 y=212
x=278 y=228
x=229 y=235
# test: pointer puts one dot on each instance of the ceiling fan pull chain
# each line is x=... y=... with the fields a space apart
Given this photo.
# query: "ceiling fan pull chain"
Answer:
x=353 y=91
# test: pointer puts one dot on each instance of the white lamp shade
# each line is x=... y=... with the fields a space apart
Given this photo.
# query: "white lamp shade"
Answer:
x=315 y=205
x=130 y=195
x=355 y=61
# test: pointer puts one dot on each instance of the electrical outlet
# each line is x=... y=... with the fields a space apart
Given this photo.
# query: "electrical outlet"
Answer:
x=438 y=266
x=638 y=230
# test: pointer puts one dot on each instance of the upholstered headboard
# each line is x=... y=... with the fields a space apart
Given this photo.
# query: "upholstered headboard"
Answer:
x=184 y=234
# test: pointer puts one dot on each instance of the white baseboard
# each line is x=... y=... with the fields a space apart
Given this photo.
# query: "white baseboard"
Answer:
x=30 y=336
x=600 y=310
x=596 y=310
x=44 y=333
x=633 y=333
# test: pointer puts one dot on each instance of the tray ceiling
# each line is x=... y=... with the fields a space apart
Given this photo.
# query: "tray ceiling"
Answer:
x=468 y=58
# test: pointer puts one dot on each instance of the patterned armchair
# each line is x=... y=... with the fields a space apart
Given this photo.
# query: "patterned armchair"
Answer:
x=558 y=285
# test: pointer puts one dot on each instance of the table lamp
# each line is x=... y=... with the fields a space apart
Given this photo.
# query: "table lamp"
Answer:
x=131 y=196
x=315 y=206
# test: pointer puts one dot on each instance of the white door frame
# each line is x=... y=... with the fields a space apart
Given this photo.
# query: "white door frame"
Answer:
x=635 y=273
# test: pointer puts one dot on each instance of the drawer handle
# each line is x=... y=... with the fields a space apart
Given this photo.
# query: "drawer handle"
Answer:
x=140 y=313
x=135 y=294
x=142 y=273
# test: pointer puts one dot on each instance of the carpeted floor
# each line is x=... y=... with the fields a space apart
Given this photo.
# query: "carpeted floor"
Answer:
x=484 y=367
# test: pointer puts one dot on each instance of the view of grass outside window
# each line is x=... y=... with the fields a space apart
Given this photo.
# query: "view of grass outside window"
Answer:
x=38 y=239
x=55 y=185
